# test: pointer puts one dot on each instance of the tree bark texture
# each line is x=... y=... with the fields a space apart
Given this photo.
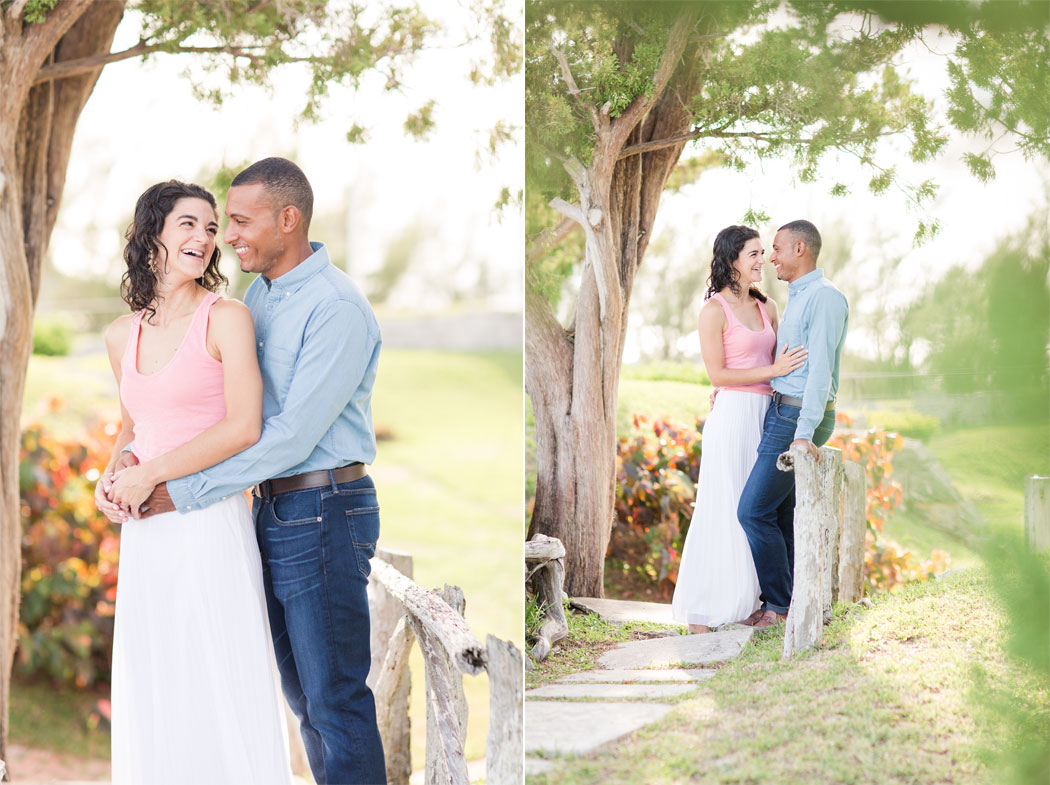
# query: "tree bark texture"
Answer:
x=572 y=375
x=505 y=745
x=36 y=136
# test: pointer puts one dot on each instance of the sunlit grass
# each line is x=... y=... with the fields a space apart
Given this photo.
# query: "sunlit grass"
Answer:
x=888 y=698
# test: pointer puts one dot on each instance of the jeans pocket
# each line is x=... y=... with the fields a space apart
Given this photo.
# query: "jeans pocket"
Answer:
x=363 y=525
x=296 y=508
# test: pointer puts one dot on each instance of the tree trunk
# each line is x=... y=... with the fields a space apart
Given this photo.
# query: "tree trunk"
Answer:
x=36 y=136
x=572 y=377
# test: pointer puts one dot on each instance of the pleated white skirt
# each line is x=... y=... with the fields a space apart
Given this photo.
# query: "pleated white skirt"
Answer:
x=193 y=695
x=717 y=583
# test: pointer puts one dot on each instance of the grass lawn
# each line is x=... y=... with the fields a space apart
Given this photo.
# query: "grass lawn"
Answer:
x=891 y=697
x=449 y=483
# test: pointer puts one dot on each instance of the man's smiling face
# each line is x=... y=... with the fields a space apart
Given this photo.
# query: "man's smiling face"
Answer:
x=252 y=228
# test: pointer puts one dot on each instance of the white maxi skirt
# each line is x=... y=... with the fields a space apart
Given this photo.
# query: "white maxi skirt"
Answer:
x=717 y=583
x=194 y=698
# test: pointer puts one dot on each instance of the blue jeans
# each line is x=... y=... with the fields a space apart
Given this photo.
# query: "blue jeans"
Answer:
x=767 y=505
x=315 y=546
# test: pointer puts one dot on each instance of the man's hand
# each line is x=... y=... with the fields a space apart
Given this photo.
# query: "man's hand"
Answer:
x=811 y=448
x=157 y=502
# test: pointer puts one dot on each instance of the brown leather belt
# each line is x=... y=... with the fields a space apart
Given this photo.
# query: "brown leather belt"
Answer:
x=791 y=401
x=300 y=482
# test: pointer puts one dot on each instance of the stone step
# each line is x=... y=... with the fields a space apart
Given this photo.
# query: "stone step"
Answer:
x=619 y=611
x=706 y=648
x=638 y=675
x=610 y=691
x=578 y=728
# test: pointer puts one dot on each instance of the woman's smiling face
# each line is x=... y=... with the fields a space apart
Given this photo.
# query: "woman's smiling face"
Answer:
x=189 y=236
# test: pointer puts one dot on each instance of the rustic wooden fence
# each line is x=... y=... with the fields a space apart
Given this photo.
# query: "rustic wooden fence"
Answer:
x=403 y=613
x=1037 y=512
x=545 y=572
x=830 y=527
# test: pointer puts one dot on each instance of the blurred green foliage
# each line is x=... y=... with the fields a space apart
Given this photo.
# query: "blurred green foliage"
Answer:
x=1019 y=753
x=988 y=329
x=52 y=336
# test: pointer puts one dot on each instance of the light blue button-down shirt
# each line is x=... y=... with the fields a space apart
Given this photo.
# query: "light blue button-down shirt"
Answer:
x=816 y=317
x=318 y=344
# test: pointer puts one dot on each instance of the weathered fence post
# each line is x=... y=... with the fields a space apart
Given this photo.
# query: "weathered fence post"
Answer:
x=505 y=747
x=392 y=695
x=854 y=532
x=814 y=522
x=831 y=476
x=1037 y=512
x=437 y=771
x=544 y=562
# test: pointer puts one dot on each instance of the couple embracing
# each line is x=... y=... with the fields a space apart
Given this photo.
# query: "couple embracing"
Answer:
x=776 y=381
x=216 y=397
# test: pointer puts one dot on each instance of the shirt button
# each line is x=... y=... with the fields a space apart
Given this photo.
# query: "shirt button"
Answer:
x=189 y=506
x=287 y=294
x=260 y=343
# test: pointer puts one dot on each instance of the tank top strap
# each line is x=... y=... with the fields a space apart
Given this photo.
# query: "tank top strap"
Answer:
x=765 y=316
x=131 y=346
x=730 y=316
x=197 y=335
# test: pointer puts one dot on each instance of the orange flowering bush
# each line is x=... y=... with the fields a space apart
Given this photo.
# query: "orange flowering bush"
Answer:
x=887 y=565
x=656 y=471
x=69 y=556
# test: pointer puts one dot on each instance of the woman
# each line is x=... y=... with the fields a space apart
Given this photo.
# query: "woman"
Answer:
x=717 y=582
x=193 y=694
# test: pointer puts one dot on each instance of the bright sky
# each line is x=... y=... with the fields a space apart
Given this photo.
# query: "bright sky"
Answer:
x=142 y=125
x=973 y=216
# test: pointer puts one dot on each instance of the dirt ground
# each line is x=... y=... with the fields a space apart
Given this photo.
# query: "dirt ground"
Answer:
x=28 y=765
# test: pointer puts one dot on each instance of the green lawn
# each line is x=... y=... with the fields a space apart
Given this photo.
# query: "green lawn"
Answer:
x=892 y=696
x=449 y=483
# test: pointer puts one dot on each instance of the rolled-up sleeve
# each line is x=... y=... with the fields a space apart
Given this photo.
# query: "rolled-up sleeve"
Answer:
x=826 y=329
x=337 y=350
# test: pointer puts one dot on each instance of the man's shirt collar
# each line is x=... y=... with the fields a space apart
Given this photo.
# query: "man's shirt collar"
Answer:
x=302 y=272
x=800 y=284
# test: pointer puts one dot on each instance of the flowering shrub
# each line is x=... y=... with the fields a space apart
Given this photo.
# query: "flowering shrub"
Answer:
x=887 y=565
x=69 y=556
x=656 y=471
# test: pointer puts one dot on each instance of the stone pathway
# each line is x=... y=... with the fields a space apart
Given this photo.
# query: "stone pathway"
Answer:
x=637 y=684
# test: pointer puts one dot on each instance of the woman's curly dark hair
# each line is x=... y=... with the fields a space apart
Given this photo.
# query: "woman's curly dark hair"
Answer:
x=138 y=287
x=728 y=245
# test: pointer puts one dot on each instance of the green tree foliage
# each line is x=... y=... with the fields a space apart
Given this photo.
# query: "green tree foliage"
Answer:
x=987 y=329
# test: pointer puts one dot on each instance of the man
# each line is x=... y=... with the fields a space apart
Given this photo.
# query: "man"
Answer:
x=315 y=509
x=802 y=412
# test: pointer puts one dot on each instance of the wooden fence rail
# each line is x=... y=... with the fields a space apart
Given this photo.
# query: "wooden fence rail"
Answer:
x=830 y=528
x=403 y=612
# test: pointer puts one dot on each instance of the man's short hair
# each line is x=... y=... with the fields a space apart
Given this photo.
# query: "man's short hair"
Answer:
x=807 y=233
x=284 y=181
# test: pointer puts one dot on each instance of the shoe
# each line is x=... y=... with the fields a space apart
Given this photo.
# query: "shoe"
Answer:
x=750 y=620
x=768 y=619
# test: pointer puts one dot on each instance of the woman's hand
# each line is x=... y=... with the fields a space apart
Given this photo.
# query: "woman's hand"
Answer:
x=130 y=488
x=788 y=361
x=102 y=501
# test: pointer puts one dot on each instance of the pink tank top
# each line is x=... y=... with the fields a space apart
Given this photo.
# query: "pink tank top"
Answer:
x=745 y=348
x=179 y=401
